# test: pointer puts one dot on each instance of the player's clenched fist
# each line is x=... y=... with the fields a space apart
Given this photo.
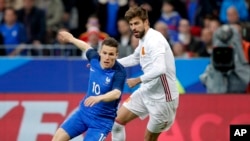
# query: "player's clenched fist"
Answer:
x=133 y=82
x=65 y=37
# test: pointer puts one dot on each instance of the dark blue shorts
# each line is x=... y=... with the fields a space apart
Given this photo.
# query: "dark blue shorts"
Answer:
x=95 y=128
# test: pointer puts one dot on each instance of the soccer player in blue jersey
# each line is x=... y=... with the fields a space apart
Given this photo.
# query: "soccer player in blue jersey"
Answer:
x=97 y=110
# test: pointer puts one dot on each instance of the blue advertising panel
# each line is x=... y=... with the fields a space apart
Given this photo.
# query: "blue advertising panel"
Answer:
x=71 y=75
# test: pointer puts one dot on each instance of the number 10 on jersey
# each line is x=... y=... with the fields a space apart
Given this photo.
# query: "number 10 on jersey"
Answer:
x=96 y=88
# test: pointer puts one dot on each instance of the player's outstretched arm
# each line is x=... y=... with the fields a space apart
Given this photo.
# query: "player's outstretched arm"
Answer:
x=131 y=60
x=67 y=37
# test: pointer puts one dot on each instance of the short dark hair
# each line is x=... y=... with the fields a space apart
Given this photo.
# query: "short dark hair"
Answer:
x=136 y=12
x=112 y=42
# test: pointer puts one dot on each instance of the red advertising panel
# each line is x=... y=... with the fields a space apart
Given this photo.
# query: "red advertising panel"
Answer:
x=35 y=117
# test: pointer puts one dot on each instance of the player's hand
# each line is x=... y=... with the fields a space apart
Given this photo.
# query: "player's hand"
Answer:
x=65 y=37
x=133 y=82
x=91 y=101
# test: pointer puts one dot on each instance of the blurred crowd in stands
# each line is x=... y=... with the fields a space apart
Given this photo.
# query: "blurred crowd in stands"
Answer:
x=30 y=27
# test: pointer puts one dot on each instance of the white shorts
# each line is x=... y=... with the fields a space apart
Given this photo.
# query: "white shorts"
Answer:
x=161 y=114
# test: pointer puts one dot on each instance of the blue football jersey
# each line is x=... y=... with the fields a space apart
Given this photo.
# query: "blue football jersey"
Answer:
x=102 y=81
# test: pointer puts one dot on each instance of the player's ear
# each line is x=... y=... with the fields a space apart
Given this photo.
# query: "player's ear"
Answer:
x=117 y=54
x=146 y=21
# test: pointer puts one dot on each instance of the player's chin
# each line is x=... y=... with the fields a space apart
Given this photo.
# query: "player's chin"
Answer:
x=137 y=35
x=106 y=66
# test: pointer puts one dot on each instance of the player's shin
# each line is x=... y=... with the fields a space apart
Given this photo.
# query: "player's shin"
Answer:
x=118 y=132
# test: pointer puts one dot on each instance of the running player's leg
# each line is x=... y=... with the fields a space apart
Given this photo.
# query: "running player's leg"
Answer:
x=61 y=135
x=161 y=118
x=149 y=136
x=132 y=108
x=124 y=115
x=72 y=127
x=99 y=128
x=118 y=130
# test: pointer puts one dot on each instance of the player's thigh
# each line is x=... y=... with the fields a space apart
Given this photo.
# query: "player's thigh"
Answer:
x=94 y=134
x=124 y=115
x=161 y=115
x=75 y=124
x=132 y=108
x=61 y=135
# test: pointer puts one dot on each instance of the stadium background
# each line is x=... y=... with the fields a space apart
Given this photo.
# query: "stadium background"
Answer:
x=37 y=94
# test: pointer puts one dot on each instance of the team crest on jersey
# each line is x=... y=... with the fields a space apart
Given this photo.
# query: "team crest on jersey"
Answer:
x=142 y=51
x=91 y=69
x=107 y=80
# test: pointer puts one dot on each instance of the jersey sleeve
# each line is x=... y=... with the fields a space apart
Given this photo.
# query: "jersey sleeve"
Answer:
x=132 y=59
x=119 y=80
x=92 y=54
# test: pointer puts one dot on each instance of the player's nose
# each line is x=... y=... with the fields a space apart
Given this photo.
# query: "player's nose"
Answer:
x=107 y=57
x=132 y=27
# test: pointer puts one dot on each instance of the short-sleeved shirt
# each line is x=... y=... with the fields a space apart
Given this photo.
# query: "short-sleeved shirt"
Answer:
x=102 y=81
x=13 y=35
